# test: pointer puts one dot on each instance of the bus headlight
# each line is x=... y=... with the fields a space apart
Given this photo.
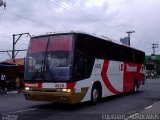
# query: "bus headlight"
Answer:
x=66 y=90
x=26 y=88
x=63 y=90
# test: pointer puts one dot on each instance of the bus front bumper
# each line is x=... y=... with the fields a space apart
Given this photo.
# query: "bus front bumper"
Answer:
x=57 y=97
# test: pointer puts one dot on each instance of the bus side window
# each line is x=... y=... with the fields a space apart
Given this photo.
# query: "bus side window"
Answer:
x=82 y=63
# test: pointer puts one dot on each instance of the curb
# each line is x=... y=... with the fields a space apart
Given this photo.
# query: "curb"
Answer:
x=10 y=92
x=13 y=92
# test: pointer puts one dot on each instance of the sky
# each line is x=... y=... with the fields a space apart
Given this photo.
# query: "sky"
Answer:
x=110 y=18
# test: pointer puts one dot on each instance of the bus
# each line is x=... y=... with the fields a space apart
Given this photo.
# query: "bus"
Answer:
x=74 y=67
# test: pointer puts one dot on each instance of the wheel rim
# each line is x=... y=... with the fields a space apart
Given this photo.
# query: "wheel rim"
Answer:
x=95 y=95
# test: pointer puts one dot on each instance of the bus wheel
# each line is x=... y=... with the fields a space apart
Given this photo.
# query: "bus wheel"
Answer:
x=135 y=87
x=95 y=94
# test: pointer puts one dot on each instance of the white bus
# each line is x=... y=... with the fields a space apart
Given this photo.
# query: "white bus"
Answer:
x=75 y=67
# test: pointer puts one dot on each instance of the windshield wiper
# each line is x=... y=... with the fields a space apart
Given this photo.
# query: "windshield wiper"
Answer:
x=39 y=71
x=36 y=75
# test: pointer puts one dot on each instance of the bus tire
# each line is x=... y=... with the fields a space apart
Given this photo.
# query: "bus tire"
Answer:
x=135 y=87
x=96 y=94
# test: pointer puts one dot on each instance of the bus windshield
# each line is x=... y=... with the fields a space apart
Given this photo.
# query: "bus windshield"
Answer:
x=49 y=58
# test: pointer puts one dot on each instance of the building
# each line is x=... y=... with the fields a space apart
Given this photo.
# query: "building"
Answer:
x=13 y=69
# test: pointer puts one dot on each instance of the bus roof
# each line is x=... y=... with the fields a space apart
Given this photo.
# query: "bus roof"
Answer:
x=86 y=33
x=77 y=32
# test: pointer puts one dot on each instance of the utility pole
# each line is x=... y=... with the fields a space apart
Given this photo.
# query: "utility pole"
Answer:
x=129 y=34
x=15 y=41
x=154 y=46
x=154 y=58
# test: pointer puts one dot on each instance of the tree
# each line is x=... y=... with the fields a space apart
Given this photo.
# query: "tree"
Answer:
x=2 y=4
x=158 y=68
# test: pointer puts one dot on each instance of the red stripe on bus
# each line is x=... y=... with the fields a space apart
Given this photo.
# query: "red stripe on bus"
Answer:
x=130 y=76
x=71 y=85
x=105 y=78
x=33 y=84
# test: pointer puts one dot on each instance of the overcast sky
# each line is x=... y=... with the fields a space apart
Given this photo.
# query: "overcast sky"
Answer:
x=111 y=18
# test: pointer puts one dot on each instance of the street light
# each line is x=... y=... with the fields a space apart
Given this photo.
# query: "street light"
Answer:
x=129 y=33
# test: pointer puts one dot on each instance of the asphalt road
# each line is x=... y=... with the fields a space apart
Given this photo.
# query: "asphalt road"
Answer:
x=16 y=107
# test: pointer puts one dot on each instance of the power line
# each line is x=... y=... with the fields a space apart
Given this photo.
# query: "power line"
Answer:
x=20 y=43
x=4 y=42
x=29 y=20
x=5 y=35
x=8 y=52
x=78 y=12
x=83 y=13
x=57 y=3
x=10 y=37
